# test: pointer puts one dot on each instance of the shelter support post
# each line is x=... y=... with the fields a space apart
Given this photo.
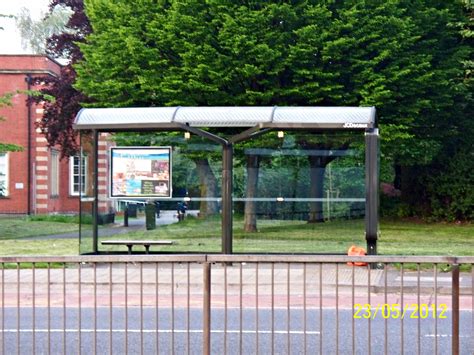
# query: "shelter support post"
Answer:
x=371 y=189
x=95 y=207
x=227 y=164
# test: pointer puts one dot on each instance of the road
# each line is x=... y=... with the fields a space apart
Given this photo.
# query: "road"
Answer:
x=237 y=336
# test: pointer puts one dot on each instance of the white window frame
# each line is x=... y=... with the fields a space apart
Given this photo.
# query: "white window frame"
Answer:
x=54 y=174
x=82 y=160
x=5 y=177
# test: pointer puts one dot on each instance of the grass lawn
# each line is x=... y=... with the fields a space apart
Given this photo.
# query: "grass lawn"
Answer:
x=14 y=230
x=193 y=235
x=406 y=238
x=21 y=227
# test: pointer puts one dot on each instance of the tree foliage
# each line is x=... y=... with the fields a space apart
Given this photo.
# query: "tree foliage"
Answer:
x=400 y=56
x=34 y=34
x=56 y=123
x=405 y=57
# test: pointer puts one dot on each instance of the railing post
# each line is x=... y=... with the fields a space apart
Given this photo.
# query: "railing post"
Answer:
x=455 y=306
x=206 y=309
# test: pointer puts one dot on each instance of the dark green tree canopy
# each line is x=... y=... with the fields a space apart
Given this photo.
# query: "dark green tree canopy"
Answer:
x=411 y=59
x=402 y=56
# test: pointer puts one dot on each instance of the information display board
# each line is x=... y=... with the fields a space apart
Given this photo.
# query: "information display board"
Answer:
x=140 y=172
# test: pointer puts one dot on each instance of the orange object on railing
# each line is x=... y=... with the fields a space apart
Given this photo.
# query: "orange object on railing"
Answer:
x=356 y=251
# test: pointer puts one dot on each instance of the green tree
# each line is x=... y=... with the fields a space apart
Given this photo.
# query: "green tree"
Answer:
x=402 y=56
x=34 y=34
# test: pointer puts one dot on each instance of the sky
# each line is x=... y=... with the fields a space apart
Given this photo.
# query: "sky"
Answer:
x=10 y=39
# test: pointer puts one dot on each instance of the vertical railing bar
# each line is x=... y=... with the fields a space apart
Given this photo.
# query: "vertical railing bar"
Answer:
x=385 y=266
x=157 y=308
x=353 y=311
x=3 y=308
x=369 y=333
x=172 y=308
x=18 y=308
x=288 y=326
x=95 y=308
x=305 y=337
x=188 y=314
x=240 y=308
x=79 y=318
x=225 y=308
x=141 y=308
x=206 y=293
x=320 y=308
x=273 y=307
x=256 y=308
x=126 y=307
x=402 y=345
x=337 y=308
x=472 y=302
x=64 y=309
x=455 y=310
x=418 y=323
x=436 y=308
x=111 y=316
x=33 y=271
x=49 y=307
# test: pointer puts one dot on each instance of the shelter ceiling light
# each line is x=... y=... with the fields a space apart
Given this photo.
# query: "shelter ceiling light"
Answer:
x=187 y=135
x=281 y=134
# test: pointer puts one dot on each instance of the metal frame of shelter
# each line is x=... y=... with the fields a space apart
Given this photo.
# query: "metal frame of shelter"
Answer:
x=254 y=121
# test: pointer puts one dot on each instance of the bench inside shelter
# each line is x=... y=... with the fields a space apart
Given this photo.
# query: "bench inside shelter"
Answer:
x=131 y=243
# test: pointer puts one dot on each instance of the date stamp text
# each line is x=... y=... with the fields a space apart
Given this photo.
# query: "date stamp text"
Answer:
x=397 y=311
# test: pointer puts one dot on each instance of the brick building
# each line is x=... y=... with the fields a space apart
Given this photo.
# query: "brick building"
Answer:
x=35 y=181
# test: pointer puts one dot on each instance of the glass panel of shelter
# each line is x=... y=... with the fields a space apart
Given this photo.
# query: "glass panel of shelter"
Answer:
x=291 y=188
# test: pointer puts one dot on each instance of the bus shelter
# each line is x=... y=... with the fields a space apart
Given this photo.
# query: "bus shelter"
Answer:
x=293 y=139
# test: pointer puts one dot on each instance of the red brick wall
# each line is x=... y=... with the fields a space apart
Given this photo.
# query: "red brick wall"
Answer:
x=14 y=130
x=13 y=72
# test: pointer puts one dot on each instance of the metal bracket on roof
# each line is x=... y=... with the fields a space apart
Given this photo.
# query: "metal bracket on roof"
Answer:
x=249 y=134
x=175 y=113
x=202 y=133
x=273 y=113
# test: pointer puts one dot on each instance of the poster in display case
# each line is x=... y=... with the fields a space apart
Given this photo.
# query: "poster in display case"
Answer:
x=140 y=172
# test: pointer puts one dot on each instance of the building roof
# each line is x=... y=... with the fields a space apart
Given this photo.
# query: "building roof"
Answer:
x=141 y=118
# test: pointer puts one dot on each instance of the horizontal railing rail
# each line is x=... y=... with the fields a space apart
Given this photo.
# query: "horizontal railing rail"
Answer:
x=222 y=258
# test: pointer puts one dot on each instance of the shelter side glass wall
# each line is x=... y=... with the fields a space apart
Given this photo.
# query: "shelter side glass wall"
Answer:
x=298 y=187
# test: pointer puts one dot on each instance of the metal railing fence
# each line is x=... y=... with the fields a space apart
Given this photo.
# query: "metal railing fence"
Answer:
x=236 y=304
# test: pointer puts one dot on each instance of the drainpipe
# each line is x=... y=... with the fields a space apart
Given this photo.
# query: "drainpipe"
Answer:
x=29 y=81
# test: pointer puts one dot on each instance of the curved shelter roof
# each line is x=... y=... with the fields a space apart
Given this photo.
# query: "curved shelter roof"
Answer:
x=137 y=118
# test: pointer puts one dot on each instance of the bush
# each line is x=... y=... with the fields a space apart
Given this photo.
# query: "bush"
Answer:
x=451 y=190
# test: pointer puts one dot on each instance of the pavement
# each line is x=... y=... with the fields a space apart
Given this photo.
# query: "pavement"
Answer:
x=182 y=284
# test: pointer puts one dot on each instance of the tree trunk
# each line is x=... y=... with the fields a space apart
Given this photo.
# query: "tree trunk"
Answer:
x=317 y=167
x=208 y=188
x=250 y=214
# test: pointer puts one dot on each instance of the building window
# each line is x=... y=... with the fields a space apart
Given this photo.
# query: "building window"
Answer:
x=54 y=174
x=3 y=174
x=77 y=175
